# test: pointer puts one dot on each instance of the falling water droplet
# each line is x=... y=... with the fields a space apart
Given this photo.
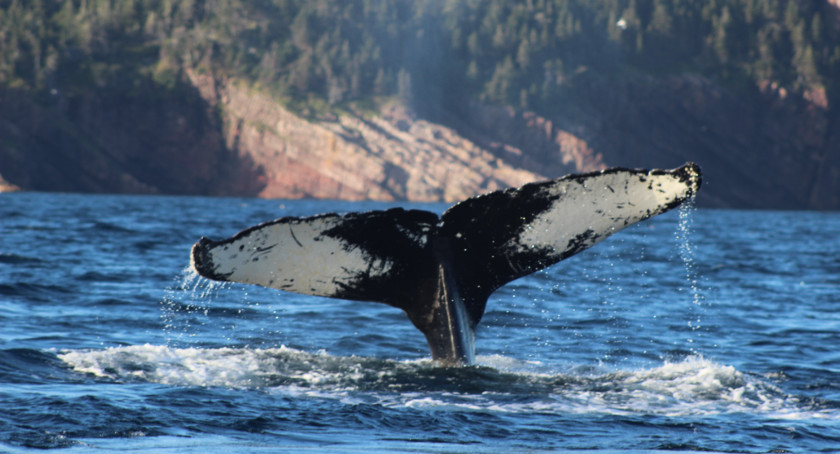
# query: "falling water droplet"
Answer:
x=686 y=248
x=687 y=254
x=184 y=306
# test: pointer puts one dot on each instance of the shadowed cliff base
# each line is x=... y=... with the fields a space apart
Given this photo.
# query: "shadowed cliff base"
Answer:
x=419 y=100
x=220 y=136
x=148 y=141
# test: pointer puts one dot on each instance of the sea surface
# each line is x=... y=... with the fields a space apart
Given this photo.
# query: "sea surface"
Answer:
x=699 y=330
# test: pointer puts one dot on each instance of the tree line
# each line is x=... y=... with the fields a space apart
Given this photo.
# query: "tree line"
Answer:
x=435 y=52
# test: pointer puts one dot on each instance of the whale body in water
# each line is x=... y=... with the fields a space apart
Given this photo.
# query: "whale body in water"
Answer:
x=441 y=270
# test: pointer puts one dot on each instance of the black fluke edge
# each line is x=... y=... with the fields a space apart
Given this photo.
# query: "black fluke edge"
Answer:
x=441 y=271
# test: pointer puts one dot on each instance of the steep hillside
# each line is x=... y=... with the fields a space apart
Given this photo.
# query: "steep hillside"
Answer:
x=428 y=100
x=353 y=156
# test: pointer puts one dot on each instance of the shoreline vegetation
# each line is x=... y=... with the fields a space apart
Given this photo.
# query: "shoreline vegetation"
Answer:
x=135 y=95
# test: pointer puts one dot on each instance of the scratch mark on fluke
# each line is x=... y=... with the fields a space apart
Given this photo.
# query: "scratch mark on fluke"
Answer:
x=441 y=271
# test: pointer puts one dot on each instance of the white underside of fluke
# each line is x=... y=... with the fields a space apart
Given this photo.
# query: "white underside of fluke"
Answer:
x=296 y=256
x=481 y=243
x=601 y=205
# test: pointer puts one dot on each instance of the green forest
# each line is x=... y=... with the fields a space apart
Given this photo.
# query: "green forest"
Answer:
x=430 y=53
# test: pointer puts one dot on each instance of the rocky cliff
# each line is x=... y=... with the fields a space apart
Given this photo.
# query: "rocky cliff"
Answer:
x=352 y=156
x=217 y=136
x=148 y=142
x=760 y=149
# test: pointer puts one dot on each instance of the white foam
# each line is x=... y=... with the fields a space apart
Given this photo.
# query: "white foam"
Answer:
x=226 y=367
x=513 y=365
x=695 y=386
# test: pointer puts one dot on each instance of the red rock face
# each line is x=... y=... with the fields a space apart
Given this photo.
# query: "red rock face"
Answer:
x=527 y=140
x=218 y=137
x=5 y=186
x=353 y=156
x=110 y=142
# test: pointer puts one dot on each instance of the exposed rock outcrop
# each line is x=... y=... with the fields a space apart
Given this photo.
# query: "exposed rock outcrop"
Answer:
x=354 y=156
x=764 y=151
x=148 y=141
x=216 y=136
x=526 y=140
x=5 y=186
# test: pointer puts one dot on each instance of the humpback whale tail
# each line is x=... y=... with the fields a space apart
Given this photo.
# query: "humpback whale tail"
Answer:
x=441 y=271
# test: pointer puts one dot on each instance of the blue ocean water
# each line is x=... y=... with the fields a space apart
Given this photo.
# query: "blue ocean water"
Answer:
x=699 y=330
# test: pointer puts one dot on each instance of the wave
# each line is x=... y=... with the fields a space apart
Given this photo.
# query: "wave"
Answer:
x=694 y=386
x=15 y=259
x=30 y=366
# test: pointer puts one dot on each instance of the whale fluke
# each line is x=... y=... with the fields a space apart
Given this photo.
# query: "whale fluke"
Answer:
x=441 y=270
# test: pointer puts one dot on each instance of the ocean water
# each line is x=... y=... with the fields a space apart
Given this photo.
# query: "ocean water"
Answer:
x=699 y=330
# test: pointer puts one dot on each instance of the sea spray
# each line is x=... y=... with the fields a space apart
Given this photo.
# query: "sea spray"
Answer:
x=687 y=252
x=194 y=308
x=185 y=304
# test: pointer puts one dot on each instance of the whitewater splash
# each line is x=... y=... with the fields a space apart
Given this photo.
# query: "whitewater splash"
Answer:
x=694 y=386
